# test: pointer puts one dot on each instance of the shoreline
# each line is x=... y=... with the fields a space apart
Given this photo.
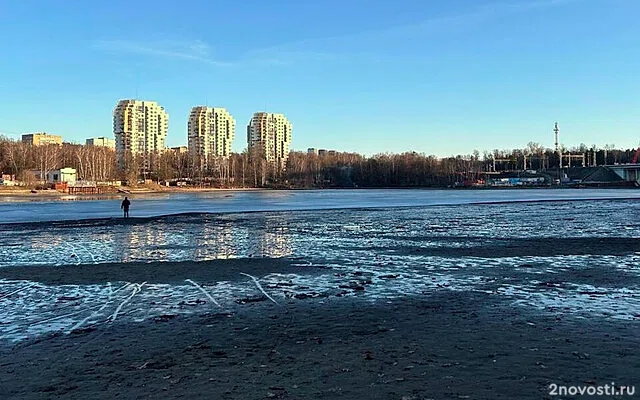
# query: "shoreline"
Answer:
x=13 y=191
x=154 y=206
x=119 y=220
x=56 y=195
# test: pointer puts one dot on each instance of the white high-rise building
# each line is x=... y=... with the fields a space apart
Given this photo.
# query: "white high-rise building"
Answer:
x=270 y=134
x=210 y=132
x=140 y=128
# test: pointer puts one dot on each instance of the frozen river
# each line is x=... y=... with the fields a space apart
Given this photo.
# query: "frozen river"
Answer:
x=26 y=209
x=566 y=257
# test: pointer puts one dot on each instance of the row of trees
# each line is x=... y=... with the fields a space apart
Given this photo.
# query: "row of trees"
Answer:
x=25 y=161
x=536 y=156
x=303 y=170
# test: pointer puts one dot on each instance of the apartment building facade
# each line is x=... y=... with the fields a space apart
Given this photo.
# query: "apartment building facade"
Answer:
x=270 y=135
x=101 y=142
x=41 y=138
x=140 y=128
x=210 y=131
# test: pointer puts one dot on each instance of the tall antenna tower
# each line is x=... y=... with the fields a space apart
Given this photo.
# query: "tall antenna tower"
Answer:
x=557 y=131
x=558 y=149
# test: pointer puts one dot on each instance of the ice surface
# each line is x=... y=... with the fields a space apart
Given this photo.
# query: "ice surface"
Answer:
x=26 y=209
x=377 y=254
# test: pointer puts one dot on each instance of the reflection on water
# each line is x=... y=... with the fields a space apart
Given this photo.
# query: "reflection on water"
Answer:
x=145 y=243
x=321 y=236
x=218 y=241
x=194 y=238
x=275 y=240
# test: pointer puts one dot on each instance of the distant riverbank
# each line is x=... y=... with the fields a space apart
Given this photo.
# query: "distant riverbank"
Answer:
x=112 y=192
x=63 y=207
x=51 y=194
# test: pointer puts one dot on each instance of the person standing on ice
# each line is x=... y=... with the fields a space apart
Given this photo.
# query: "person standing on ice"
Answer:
x=125 y=207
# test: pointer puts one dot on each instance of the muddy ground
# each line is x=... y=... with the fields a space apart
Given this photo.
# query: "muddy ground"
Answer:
x=448 y=345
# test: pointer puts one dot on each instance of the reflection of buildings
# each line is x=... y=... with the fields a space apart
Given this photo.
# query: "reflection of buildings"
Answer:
x=204 y=238
x=144 y=242
x=214 y=240
x=263 y=236
x=275 y=239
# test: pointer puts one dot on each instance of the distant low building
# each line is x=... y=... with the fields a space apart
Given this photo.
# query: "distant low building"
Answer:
x=180 y=149
x=102 y=142
x=66 y=175
x=41 y=138
x=8 y=180
x=322 y=152
x=312 y=150
x=35 y=174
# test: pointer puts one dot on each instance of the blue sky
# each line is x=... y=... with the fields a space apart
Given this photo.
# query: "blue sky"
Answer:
x=440 y=77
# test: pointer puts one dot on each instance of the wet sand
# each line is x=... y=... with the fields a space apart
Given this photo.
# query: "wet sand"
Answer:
x=155 y=272
x=441 y=345
x=445 y=346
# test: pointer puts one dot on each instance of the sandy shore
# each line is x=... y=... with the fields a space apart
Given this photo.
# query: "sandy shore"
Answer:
x=447 y=346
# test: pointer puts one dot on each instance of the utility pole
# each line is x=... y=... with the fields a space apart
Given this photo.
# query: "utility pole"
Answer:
x=556 y=130
x=558 y=150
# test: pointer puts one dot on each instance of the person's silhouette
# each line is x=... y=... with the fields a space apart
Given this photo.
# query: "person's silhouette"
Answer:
x=125 y=207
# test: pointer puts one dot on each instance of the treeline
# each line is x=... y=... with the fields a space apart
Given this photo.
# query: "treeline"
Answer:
x=27 y=162
x=536 y=156
x=410 y=169
x=383 y=170
x=303 y=170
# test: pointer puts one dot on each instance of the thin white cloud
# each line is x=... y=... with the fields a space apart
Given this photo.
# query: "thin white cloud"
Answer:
x=327 y=49
x=195 y=51
x=200 y=52
x=281 y=57
x=304 y=50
